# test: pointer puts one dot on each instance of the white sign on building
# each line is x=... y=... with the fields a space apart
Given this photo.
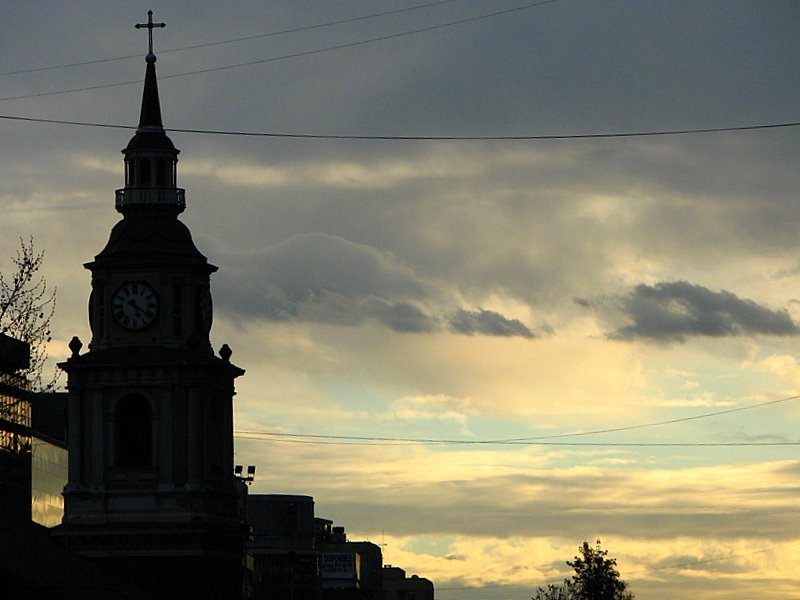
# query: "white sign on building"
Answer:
x=341 y=566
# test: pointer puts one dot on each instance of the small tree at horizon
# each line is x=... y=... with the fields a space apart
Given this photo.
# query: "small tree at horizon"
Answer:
x=596 y=578
x=563 y=591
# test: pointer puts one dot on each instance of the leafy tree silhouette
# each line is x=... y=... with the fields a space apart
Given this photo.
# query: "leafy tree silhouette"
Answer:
x=565 y=591
x=596 y=578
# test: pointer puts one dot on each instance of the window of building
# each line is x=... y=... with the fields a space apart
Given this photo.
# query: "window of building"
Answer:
x=144 y=172
x=161 y=172
x=134 y=428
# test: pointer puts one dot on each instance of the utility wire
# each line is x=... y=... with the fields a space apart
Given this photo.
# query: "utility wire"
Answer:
x=430 y=138
x=295 y=54
x=531 y=441
x=667 y=422
x=234 y=40
x=718 y=559
x=381 y=38
x=479 y=138
x=325 y=441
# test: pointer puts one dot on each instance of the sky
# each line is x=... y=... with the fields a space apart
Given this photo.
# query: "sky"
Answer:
x=478 y=353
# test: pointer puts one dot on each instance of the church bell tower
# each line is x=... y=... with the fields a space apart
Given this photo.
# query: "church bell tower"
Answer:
x=151 y=490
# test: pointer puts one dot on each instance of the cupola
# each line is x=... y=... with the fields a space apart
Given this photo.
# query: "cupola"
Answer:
x=151 y=159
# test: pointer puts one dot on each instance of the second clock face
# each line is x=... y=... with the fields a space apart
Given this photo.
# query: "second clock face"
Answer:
x=135 y=305
x=204 y=310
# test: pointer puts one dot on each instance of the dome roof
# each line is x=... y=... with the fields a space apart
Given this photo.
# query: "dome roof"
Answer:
x=141 y=237
x=151 y=140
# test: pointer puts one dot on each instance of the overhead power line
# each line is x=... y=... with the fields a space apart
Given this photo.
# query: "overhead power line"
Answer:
x=295 y=54
x=263 y=436
x=235 y=40
x=431 y=138
x=718 y=559
x=545 y=440
x=381 y=38
x=708 y=415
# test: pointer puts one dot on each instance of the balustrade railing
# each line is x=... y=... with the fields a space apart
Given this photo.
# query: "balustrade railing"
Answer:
x=175 y=197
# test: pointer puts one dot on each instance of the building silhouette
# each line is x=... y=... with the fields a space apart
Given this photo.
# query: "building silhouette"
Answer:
x=297 y=555
x=351 y=570
x=397 y=586
x=284 y=548
x=15 y=432
x=32 y=475
x=152 y=494
x=153 y=506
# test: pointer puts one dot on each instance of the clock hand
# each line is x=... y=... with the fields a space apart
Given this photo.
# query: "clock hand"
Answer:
x=135 y=306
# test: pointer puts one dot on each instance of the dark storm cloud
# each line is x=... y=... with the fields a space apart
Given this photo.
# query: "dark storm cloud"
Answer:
x=673 y=311
x=538 y=241
x=402 y=317
x=487 y=322
x=525 y=209
x=324 y=278
x=530 y=223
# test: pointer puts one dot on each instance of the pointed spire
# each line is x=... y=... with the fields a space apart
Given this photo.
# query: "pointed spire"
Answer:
x=151 y=159
x=150 y=117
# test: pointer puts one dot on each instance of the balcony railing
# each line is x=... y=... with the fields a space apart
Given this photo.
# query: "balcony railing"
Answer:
x=172 y=197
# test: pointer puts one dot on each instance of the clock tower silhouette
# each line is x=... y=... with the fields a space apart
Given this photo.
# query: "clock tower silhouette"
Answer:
x=151 y=492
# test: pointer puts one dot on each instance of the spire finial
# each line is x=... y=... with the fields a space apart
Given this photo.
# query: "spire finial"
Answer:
x=150 y=26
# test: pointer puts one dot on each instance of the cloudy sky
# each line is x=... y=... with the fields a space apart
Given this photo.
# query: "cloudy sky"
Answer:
x=460 y=317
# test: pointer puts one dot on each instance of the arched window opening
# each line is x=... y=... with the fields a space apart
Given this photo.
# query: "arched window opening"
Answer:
x=134 y=425
x=161 y=172
x=144 y=172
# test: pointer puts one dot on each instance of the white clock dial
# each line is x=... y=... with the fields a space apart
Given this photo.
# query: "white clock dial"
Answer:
x=135 y=305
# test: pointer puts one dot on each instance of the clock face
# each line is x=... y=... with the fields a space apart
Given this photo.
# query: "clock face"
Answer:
x=135 y=305
x=204 y=309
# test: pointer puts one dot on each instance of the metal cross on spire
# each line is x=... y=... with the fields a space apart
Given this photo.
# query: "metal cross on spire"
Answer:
x=150 y=25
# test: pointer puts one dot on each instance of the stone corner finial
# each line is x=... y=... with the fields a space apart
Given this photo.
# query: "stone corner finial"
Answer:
x=75 y=345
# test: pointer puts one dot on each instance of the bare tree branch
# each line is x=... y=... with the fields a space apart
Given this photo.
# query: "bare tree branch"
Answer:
x=27 y=305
